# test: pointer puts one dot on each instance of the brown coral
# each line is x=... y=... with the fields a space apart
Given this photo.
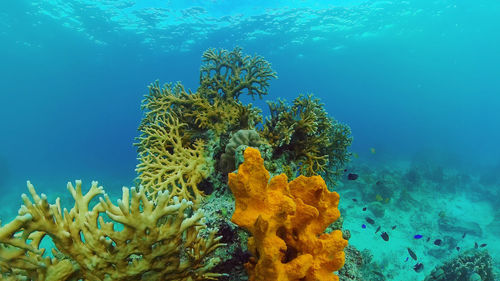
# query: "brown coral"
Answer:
x=304 y=134
x=287 y=221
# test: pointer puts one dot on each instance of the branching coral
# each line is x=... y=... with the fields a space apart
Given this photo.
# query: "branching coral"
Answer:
x=165 y=164
x=287 y=221
x=304 y=134
x=159 y=240
x=229 y=74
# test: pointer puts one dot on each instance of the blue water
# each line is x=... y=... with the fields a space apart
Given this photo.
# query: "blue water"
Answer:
x=406 y=76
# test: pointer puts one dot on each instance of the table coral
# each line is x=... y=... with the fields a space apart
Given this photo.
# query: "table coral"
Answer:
x=159 y=239
x=287 y=221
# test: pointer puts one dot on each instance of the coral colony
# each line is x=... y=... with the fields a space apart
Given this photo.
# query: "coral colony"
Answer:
x=195 y=148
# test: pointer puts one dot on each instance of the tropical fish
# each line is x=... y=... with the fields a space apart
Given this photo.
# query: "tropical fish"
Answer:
x=463 y=236
x=428 y=239
x=354 y=199
x=355 y=155
x=378 y=273
x=418 y=267
x=385 y=236
x=406 y=259
x=369 y=220
x=475 y=245
x=482 y=245
x=363 y=226
x=412 y=254
x=364 y=209
x=352 y=177
x=418 y=236
x=393 y=227
x=437 y=242
x=372 y=150
x=458 y=248
x=378 y=228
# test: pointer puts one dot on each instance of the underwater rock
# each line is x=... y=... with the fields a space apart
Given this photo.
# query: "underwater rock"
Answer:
x=377 y=208
x=470 y=265
x=454 y=225
x=406 y=202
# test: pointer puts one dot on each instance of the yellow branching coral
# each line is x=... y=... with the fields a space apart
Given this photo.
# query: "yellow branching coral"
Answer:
x=158 y=239
x=165 y=164
x=287 y=221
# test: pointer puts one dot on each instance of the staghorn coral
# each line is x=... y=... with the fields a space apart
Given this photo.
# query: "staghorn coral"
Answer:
x=303 y=134
x=165 y=164
x=287 y=221
x=159 y=240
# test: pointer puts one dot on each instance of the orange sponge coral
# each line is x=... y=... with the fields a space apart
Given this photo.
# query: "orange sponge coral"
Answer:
x=287 y=221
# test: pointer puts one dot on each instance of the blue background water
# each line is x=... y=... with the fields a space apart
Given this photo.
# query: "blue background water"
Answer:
x=407 y=76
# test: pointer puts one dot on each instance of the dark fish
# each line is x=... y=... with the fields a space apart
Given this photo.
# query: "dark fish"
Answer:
x=352 y=177
x=354 y=199
x=406 y=259
x=418 y=236
x=428 y=239
x=418 y=267
x=364 y=209
x=369 y=220
x=393 y=227
x=363 y=226
x=458 y=248
x=412 y=254
x=378 y=273
x=437 y=242
x=475 y=245
x=345 y=170
x=463 y=236
x=378 y=228
x=482 y=245
x=385 y=236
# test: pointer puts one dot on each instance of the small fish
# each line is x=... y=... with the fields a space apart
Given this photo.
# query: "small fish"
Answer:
x=458 y=248
x=463 y=236
x=418 y=267
x=437 y=242
x=393 y=227
x=345 y=170
x=428 y=239
x=412 y=254
x=378 y=228
x=418 y=236
x=406 y=259
x=352 y=177
x=482 y=245
x=372 y=150
x=364 y=209
x=385 y=236
x=363 y=226
x=355 y=155
x=475 y=245
x=378 y=273
x=369 y=220
x=354 y=199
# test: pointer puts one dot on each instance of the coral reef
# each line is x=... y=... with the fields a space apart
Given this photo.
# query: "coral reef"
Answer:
x=304 y=134
x=159 y=239
x=240 y=138
x=471 y=265
x=287 y=221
